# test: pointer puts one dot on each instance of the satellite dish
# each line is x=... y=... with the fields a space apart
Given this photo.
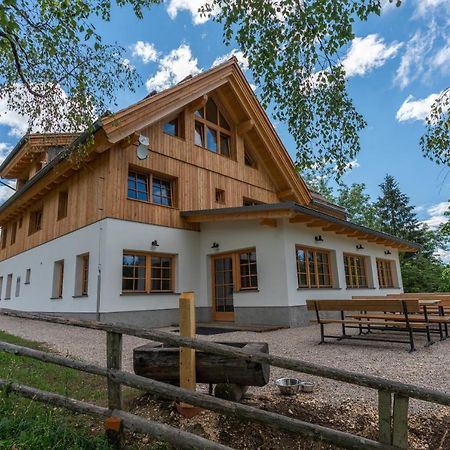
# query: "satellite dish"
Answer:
x=142 y=148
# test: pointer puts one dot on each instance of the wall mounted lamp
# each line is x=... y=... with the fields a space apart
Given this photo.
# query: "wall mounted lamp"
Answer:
x=387 y=252
x=359 y=247
x=215 y=245
x=155 y=243
x=318 y=238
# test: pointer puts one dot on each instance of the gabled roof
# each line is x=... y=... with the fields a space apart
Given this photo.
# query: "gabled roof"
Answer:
x=300 y=214
x=155 y=107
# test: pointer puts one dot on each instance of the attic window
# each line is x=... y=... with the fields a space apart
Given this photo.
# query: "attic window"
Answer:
x=248 y=158
x=175 y=126
x=220 y=196
x=212 y=131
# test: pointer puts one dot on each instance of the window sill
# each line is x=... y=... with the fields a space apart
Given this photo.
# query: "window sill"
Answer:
x=319 y=288
x=230 y=158
x=389 y=287
x=153 y=204
x=7 y=298
x=27 y=283
x=56 y=298
x=133 y=294
x=80 y=296
x=243 y=291
x=357 y=288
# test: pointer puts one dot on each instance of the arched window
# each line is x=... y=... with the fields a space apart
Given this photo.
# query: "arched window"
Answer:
x=212 y=130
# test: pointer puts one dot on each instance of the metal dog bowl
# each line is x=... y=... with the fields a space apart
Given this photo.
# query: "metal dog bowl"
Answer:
x=288 y=386
x=307 y=386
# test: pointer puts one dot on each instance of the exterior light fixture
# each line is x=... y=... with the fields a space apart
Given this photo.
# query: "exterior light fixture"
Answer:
x=215 y=245
x=318 y=238
x=155 y=243
x=359 y=247
x=387 y=252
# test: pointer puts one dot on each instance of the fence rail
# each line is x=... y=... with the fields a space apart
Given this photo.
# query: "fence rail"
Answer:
x=393 y=396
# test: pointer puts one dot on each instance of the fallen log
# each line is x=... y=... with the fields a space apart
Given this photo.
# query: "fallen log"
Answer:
x=162 y=364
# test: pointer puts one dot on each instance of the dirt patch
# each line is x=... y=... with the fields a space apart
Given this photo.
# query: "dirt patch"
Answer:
x=357 y=417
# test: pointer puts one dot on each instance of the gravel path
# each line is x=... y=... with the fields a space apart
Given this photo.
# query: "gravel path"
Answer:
x=428 y=367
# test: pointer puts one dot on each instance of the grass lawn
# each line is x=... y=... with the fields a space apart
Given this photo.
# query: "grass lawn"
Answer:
x=30 y=425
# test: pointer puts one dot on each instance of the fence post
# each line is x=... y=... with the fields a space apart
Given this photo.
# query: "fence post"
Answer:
x=400 y=422
x=113 y=426
x=187 y=355
x=384 y=417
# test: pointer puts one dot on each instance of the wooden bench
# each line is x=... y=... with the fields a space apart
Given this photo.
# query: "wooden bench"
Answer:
x=400 y=309
x=441 y=307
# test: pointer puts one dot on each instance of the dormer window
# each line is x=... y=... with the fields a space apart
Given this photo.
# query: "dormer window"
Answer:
x=212 y=131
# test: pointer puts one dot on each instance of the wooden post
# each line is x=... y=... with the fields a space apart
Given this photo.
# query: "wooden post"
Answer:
x=114 y=361
x=400 y=422
x=384 y=417
x=113 y=428
x=187 y=355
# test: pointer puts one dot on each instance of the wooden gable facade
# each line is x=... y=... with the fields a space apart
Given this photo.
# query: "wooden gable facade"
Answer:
x=247 y=165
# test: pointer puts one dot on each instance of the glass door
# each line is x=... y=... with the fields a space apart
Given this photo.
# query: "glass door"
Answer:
x=223 y=287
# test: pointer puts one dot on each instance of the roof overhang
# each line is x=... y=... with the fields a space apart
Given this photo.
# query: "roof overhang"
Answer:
x=296 y=213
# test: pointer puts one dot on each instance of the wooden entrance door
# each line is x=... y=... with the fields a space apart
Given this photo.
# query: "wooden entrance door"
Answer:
x=223 y=287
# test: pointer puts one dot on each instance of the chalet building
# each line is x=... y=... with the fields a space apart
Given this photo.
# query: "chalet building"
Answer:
x=189 y=189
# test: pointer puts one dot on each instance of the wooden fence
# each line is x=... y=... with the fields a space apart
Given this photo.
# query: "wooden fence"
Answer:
x=393 y=397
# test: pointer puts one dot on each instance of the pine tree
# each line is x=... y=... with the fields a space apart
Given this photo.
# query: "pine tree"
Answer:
x=358 y=204
x=397 y=216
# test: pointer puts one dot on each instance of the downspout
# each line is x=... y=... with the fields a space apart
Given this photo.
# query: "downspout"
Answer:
x=100 y=237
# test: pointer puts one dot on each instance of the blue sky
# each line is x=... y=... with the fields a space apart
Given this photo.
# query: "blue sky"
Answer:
x=397 y=64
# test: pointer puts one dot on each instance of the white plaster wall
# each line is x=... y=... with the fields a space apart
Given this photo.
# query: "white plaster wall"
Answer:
x=302 y=235
x=125 y=235
x=36 y=296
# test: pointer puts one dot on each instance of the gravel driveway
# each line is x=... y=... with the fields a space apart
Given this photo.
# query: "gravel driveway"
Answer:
x=428 y=367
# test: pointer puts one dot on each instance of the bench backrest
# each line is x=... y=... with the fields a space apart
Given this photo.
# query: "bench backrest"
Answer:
x=422 y=296
x=367 y=304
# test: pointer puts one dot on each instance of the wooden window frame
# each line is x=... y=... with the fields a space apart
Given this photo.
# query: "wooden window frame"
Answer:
x=63 y=204
x=250 y=276
x=180 y=127
x=247 y=201
x=148 y=273
x=84 y=275
x=36 y=219
x=9 y=280
x=220 y=196
x=236 y=261
x=249 y=159
x=352 y=276
x=58 y=280
x=4 y=237
x=314 y=251
x=150 y=177
x=13 y=233
x=385 y=273
x=215 y=127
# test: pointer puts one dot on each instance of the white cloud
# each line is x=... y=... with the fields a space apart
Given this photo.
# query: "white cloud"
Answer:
x=192 y=6
x=4 y=151
x=146 y=51
x=441 y=60
x=172 y=68
x=415 y=109
x=5 y=193
x=414 y=60
x=17 y=123
x=242 y=60
x=429 y=7
x=368 y=53
x=436 y=215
